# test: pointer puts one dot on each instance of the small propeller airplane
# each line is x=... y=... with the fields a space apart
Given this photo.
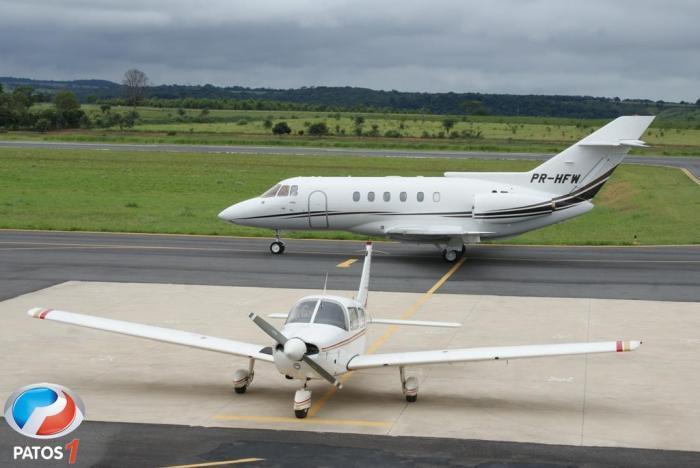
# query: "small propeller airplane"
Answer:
x=323 y=338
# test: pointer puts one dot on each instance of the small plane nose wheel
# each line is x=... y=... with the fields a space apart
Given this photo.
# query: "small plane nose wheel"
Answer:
x=302 y=402
x=277 y=246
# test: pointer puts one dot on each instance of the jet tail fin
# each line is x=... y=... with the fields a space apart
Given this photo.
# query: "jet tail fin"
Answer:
x=592 y=160
x=363 y=290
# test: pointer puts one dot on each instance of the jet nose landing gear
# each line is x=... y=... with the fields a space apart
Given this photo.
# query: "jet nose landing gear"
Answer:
x=277 y=246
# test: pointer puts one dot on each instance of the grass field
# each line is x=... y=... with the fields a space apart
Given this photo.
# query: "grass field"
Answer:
x=182 y=193
x=410 y=131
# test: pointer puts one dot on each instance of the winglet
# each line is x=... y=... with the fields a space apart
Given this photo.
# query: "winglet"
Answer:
x=363 y=290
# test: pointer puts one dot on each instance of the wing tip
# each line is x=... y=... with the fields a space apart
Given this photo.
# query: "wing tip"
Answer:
x=624 y=346
x=38 y=312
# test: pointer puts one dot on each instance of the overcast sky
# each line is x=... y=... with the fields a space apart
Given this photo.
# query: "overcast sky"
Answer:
x=625 y=48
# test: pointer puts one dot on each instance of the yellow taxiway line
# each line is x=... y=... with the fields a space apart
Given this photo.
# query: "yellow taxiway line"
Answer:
x=408 y=313
x=219 y=463
x=281 y=419
x=346 y=263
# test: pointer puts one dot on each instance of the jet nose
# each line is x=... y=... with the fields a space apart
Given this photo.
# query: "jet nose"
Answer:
x=230 y=213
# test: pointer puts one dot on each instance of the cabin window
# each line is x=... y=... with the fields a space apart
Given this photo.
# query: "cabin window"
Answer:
x=331 y=313
x=284 y=191
x=361 y=317
x=271 y=192
x=356 y=196
x=387 y=196
x=294 y=191
x=302 y=312
x=420 y=196
x=370 y=196
x=352 y=315
x=436 y=197
x=403 y=196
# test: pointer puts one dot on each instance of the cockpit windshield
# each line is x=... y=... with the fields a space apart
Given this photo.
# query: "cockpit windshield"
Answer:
x=302 y=312
x=331 y=313
x=271 y=192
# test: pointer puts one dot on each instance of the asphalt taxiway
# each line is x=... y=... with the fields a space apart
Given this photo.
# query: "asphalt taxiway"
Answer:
x=31 y=260
x=182 y=446
x=689 y=163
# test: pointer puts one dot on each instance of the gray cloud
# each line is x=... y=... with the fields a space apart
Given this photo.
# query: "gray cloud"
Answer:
x=605 y=48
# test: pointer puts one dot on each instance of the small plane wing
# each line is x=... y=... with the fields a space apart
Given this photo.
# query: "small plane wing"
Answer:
x=166 y=335
x=446 y=356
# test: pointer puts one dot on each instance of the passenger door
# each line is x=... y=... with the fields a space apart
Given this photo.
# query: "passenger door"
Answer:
x=318 y=210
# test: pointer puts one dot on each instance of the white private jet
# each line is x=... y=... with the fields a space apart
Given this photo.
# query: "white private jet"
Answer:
x=324 y=337
x=451 y=211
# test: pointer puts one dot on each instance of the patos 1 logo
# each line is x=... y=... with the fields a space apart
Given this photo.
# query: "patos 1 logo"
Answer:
x=44 y=411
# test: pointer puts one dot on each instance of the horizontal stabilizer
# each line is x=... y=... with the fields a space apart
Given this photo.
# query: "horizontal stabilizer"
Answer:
x=615 y=144
x=417 y=323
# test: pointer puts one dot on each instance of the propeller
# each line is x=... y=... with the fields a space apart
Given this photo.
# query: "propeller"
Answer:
x=293 y=348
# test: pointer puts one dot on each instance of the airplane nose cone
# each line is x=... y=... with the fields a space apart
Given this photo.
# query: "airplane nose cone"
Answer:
x=294 y=349
x=227 y=214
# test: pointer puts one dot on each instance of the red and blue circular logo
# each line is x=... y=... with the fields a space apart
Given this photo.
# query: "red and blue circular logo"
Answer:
x=44 y=411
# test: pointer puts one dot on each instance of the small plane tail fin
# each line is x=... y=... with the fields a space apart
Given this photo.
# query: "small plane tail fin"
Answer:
x=363 y=290
x=587 y=165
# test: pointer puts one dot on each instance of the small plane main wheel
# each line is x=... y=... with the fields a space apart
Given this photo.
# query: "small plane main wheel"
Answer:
x=240 y=390
x=450 y=255
x=301 y=413
x=277 y=247
x=411 y=398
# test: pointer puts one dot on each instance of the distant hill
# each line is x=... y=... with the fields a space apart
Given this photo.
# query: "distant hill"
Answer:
x=363 y=99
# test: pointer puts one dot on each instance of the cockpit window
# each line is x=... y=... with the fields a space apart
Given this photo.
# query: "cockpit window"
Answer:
x=294 y=190
x=302 y=312
x=331 y=313
x=271 y=192
x=284 y=191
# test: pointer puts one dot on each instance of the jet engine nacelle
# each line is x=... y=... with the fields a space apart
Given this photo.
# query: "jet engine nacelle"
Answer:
x=510 y=207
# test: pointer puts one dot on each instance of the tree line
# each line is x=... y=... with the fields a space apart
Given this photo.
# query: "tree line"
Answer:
x=65 y=112
x=136 y=88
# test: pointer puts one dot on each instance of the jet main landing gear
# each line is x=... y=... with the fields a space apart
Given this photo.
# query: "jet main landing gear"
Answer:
x=277 y=246
x=453 y=251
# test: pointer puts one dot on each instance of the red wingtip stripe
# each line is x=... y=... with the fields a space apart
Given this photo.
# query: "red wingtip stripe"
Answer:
x=44 y=313
x=618 y=346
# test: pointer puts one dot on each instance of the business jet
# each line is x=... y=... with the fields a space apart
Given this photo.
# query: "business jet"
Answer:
x=451 y=211
x=323 y=338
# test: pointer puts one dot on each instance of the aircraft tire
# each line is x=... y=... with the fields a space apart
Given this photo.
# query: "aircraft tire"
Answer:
x=277 y=248
x=301 y=413
x=450 y=256
x=240 y=390
x=411 y=398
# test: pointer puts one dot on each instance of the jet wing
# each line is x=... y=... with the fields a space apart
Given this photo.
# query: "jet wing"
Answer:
x=432 y=233
x=446 y=356
x=166 y=335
